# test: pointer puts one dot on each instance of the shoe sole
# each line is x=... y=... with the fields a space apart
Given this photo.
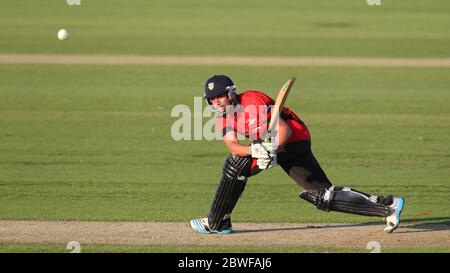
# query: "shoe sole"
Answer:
x=198 y=227
x=399 y=212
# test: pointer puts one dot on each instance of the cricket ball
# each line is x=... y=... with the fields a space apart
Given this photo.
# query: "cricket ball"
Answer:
x=63 y=34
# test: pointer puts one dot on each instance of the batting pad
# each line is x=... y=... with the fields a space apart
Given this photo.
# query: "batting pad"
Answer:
x=230 y=188
x=345 y=200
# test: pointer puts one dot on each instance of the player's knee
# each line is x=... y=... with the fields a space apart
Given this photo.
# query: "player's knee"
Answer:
x=237 y=167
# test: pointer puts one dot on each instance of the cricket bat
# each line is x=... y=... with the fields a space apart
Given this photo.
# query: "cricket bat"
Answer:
x=278 y=106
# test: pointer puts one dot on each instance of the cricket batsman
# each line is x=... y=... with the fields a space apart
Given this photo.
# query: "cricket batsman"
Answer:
x=248 y=114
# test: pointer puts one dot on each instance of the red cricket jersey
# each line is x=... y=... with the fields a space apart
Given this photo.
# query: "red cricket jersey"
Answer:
x=252 y=116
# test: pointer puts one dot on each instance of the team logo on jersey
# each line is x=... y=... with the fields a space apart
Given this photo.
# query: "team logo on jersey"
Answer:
x=210 y=86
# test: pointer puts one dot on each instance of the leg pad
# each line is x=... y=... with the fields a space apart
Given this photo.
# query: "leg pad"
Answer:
x=346 y=200
x=234 y=178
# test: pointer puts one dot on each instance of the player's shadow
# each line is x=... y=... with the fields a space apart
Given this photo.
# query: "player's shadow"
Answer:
x=426 y=225
x=308 y=227
x=419 y=225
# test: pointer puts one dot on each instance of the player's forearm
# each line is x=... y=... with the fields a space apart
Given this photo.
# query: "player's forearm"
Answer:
x=239 y=149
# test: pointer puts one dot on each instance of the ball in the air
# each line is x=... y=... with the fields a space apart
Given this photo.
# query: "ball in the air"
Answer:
x=63 y=34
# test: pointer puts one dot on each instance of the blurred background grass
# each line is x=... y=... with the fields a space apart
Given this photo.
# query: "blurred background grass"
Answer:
x=401 y=28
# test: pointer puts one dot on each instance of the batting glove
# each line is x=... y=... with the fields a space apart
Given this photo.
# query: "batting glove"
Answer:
x=263 y=149
x=267 y=163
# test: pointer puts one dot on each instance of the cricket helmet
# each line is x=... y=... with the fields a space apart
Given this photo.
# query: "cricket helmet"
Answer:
x=219 y=85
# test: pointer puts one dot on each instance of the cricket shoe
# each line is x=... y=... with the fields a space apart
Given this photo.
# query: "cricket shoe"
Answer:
x=393 y=220
x=202 y=226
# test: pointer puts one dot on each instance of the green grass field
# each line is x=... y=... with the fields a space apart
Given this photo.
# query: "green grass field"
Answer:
x=400 y=28
x=92 y=142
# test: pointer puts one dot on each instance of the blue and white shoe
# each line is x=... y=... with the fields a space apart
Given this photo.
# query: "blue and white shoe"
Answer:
x=202 y=226
x=393 y=220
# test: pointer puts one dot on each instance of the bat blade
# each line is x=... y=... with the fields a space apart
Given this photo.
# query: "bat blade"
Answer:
x=279 y=104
